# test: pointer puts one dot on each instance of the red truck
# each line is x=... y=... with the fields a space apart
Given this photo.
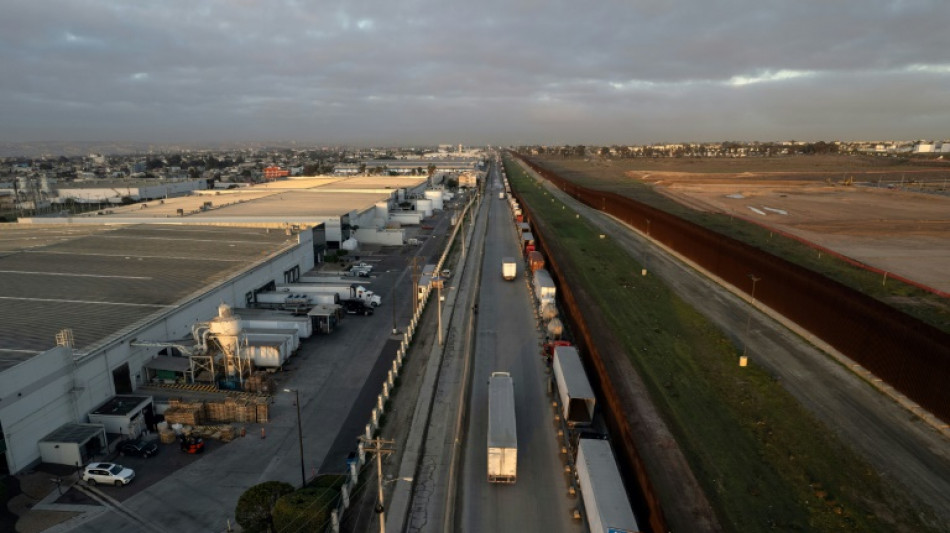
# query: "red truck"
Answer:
x=535 y=260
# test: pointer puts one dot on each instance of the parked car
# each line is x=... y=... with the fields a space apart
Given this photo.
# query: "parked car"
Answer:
x=356 y=307
x=139 y=448
x=192 y=444
x=108 y=474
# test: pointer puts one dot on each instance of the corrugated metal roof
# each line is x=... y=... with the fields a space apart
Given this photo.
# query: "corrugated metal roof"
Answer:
x=309 y=204
x=99 y=282
x=74 y=433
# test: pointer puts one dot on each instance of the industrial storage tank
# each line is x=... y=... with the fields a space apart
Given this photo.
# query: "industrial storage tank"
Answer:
x=226 y=329
x=424 y=205
x=381 y=214
x=436 y=196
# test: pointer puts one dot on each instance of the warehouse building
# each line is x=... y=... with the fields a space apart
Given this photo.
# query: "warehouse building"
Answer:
x=367 y=208
x=87 y=302
x=81 y=305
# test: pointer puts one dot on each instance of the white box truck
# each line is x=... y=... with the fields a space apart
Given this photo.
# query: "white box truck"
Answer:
x=502 y=430
x=509 y=268
x=606 y=506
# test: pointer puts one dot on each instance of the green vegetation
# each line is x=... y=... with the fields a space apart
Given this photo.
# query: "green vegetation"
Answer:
x=918 y=303
x=254 y=510
x=308 y=509
x=765 y=463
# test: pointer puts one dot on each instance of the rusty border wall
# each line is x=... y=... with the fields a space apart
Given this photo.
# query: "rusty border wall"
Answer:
x=646 y=503
x=909 y=355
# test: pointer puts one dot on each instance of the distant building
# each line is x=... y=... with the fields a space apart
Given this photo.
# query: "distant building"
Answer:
x=468 y=179
x=273 y=173
x=117 y=192
x=923 y=148
x=346 y=169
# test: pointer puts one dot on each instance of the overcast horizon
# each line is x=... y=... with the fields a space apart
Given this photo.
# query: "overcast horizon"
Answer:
x=520 y=72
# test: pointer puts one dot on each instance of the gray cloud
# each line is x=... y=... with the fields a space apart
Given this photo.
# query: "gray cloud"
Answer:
x=492 y=71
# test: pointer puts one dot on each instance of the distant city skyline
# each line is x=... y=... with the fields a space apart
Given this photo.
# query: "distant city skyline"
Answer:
x=522 y=72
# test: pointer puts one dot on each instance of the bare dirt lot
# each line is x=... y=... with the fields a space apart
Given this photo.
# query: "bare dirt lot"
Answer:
x=890 y=227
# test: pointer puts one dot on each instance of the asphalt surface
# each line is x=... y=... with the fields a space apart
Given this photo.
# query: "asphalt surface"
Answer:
x=508 y=339
x=905 y=450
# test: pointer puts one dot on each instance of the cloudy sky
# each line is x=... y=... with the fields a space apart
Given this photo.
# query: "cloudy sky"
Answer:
x=486 y=71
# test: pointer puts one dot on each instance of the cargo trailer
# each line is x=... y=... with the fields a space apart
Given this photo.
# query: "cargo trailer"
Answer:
x=544 y=288
x=535 y=260
x=502 y=430
x=606 y=507
x=343 y=291
x=574 y=390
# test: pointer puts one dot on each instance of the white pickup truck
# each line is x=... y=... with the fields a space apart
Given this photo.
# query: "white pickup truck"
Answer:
x=361 y=269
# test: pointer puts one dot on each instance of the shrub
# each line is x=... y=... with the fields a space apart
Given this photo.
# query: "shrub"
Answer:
x=254 y=508
x=305 y=510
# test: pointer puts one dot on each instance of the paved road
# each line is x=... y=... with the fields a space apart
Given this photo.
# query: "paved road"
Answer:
x=898 y=444
x=507 y=339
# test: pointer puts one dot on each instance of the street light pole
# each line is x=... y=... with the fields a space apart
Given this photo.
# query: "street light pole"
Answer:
x=392 y=303
x=745 y=346
x=303 y=471
x=437 y=282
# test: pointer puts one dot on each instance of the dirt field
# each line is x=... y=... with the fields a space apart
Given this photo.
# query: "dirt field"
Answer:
x=895 y=229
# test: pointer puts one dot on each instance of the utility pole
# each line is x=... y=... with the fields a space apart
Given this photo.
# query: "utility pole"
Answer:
x=303 y=471
x=379 y=448
x=461 y=227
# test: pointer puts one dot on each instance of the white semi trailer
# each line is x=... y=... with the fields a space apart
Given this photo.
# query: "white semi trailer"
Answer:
x=353 y=291
x=544 y=288
x=502 y=430
x=606 y=506
x=574 y=391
